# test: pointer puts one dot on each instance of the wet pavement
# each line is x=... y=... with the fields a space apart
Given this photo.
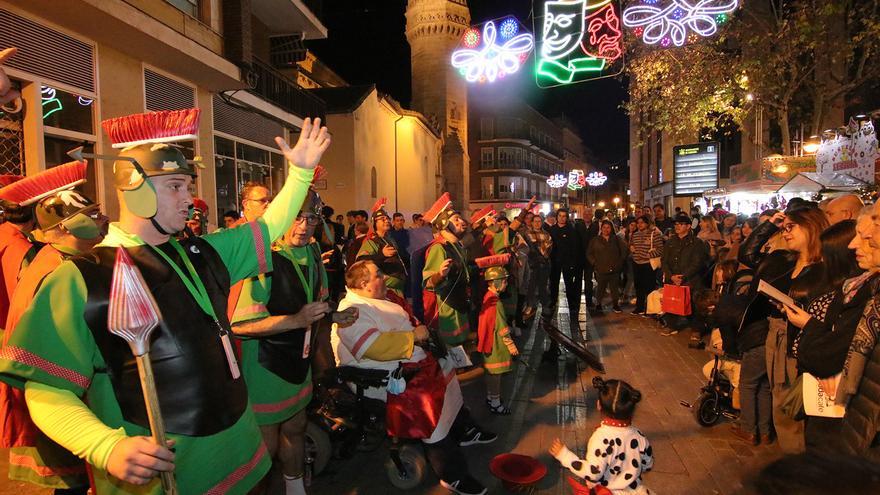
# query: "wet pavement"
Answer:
x=556 y=399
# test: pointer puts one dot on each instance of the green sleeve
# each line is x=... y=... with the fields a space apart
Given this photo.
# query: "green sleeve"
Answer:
x=282 y=211
x=434 y=259
x=245 y=250
x=64 y=418
x=52 y=343
x=369 y=249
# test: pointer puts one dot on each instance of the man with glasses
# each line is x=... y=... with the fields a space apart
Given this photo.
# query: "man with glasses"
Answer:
x=273 y=318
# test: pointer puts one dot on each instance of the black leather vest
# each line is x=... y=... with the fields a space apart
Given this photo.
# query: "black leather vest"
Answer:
x=197 y=394
x=455 y=288
x=282 y=353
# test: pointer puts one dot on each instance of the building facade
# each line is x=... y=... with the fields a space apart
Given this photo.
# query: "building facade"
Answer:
x=84 y=61
x=433 y=30
x=379 y=150
x=513 y=151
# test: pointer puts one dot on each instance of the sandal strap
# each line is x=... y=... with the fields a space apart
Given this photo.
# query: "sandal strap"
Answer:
x=500 y=409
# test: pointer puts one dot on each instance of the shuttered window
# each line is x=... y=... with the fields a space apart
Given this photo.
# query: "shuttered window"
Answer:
x=164 y=93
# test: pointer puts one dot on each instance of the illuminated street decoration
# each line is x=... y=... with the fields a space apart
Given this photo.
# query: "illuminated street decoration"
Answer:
x=596 y=179
x=495 y=52
x=576 y=180
x=556 y=181
x=668 y=23
x=50 y=101
x=580 y=40
x=84 y=101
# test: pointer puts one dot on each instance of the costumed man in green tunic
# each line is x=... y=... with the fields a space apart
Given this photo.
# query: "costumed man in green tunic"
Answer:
x=274 y=315
x=71 y=356
x=446 y=278
x=70 y=225
x=381 y=249
x=494 y=340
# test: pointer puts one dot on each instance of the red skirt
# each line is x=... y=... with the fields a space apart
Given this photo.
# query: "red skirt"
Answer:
x=416 y=412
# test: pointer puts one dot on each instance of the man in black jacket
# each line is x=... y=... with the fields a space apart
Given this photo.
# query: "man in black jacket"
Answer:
x=566 y=260
x=591 y=232
x=684 y=262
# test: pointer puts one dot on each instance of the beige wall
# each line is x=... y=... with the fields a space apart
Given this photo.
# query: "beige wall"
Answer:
x=365 y=139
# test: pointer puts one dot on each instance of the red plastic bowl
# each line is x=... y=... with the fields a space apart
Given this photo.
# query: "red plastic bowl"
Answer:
x=517 y=472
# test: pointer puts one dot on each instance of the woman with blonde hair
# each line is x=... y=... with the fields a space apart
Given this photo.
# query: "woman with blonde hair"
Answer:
x=710 y=234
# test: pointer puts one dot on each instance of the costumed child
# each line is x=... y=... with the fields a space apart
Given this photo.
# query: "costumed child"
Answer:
x=494 y=339
x=617 y=453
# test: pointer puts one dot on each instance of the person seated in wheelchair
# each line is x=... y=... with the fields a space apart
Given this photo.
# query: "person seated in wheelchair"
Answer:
x=423 y=398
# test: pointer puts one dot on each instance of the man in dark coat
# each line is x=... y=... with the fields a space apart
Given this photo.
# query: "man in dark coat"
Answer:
x=684 y=263
x=568 y=251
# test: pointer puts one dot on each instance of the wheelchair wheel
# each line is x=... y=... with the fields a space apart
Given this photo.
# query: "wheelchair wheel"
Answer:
x=706 y=410
x=415 y=467
x=318 y=448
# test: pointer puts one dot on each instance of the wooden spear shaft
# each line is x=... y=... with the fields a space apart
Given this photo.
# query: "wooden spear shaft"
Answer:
x=157 y=425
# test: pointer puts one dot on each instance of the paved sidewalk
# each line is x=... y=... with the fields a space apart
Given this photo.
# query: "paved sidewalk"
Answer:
x=556 y=399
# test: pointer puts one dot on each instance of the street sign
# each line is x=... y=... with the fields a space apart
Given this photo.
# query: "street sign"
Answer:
x=695 y=168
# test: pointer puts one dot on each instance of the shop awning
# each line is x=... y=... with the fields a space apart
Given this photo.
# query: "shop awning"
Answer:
x=815 y=182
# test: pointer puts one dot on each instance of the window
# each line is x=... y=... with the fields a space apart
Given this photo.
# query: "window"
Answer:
x=189 y=7
x=237 y=163
x=487 y=128
x=507 y=157
x=533 y=133
x=65 y=110
x=487 y=187
x=487 y=158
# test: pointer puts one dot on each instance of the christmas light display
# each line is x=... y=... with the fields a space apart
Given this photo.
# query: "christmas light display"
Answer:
x=580 y=40
x=596 y=178
x=503 y=50
x=556 y=181
x=669 y=23
x=50 y=101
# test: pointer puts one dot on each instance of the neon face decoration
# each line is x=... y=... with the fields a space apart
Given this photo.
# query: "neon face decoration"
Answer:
x=556 y=181
x=576 y=180
x=502 y=51
x=580 y=40
x=669 y=24
x=596 y=179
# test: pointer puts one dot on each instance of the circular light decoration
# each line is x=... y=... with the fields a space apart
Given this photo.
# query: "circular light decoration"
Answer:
x=494 y=58
x=556 y=181
x=667 y=23
x=84 y=101
x=508 y=28
x=596 y=178
x=471 y=38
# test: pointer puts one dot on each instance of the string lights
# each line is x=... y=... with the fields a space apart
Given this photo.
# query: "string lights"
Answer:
x=669 y=24
x=502 y=51
x=556 y=181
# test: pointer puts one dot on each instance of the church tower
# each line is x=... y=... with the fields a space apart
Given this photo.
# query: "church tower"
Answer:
x=433 y=30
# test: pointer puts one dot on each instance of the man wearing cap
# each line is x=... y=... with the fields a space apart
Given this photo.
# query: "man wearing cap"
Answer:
x=71 y=225
x=202 y=397
x=380 y=248
x=684 y=258
x=446 y=277
x=273 y=318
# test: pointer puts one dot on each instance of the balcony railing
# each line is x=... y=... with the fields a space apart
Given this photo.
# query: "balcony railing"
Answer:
x=282 y=91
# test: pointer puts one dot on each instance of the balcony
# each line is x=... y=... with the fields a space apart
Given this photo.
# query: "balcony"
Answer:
x=291 y=16
x=280 y=90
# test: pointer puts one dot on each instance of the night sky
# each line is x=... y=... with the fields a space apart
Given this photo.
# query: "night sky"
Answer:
x=366 y=44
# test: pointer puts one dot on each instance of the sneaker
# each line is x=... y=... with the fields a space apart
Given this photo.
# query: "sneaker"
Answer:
x=669 y=332
x=475 y=436
x=465 y=486
x=617 y=309
x=636 y=312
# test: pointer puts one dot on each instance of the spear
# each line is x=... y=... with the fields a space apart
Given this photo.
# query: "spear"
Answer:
x=133 y=315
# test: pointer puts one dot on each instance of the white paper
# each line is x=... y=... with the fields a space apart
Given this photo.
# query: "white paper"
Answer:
x=776 y=294
x=817 y=402
x=459 y=357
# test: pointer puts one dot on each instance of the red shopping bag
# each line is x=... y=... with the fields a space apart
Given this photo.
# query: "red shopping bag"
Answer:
x=677 y=299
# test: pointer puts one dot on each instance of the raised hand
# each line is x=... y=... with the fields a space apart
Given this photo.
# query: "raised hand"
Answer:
x=7 y=94
x=556 y=447
x=312 y=143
